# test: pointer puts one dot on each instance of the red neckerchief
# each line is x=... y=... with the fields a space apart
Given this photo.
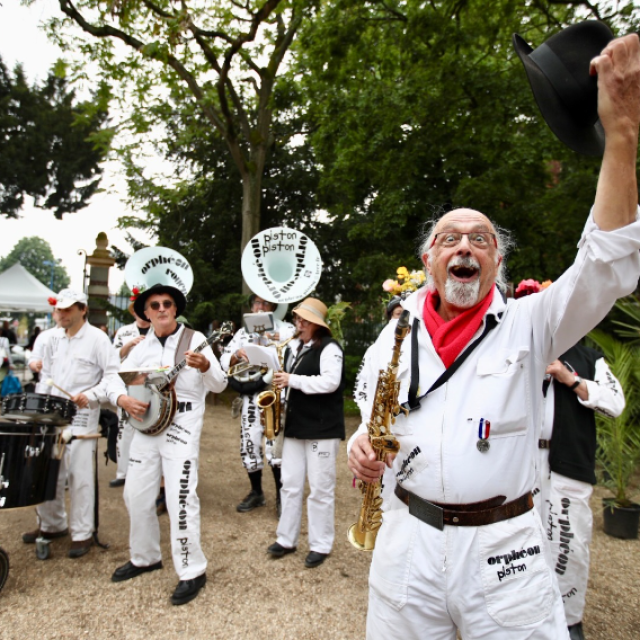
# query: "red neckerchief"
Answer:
x=450 y=338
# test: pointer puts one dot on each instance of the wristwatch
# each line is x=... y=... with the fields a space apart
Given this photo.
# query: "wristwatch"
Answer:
x=576 y=383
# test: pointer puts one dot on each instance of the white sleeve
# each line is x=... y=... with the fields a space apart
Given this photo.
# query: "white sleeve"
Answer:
x=237 y=342
x=214 y=378
x=607 y=262
x=330 y=373
x=605 y=393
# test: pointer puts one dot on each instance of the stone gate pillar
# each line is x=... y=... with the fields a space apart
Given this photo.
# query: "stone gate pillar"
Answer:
x=100 y=261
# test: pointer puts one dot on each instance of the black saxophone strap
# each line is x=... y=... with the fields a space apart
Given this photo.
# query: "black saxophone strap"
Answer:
x=413 y=401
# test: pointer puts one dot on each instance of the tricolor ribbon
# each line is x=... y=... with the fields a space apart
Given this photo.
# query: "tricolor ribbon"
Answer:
x=483 y=429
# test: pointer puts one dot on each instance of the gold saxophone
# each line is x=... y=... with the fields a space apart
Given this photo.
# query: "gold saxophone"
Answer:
x=362 y=534
x=269 y=401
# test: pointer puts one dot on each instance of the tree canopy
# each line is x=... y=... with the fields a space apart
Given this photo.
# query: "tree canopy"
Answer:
x=224 y=57
x=51 y=145
x=32 y=253
x=416 y=108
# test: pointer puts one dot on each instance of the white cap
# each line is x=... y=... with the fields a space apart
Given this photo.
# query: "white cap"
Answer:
x=68 y=297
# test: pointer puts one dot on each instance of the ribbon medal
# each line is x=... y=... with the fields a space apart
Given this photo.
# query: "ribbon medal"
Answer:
x=483 y=435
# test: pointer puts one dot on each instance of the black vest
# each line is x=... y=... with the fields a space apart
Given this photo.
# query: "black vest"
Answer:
x=573 y=443
x=318 y=416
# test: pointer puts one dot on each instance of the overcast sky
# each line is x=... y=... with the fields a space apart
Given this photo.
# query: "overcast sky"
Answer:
x=21 y=40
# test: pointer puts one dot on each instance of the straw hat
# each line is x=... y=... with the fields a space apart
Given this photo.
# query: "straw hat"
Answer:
x=312 y=310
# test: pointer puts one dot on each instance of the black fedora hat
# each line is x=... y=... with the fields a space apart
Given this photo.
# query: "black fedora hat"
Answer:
x=176 y=294
x=558 y=72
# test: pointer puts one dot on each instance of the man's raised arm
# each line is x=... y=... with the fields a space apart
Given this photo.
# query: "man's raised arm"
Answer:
x=618 y=69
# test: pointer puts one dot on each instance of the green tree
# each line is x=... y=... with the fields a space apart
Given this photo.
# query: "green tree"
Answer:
x=224 y=56
x=51 y=145
x=416 y=108
x=198 y=216
x=32 y=253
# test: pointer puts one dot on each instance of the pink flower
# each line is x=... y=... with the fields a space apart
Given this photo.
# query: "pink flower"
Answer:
x=389 y=285
x=526 y=288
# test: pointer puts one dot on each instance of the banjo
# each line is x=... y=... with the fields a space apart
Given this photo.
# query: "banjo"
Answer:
x=157 y=389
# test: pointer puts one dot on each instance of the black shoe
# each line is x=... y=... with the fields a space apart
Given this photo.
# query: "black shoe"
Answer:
x=575 y=631
x=118 y=482
x=187 y=590
x=253 y=500
x=314 y=559
x=80 y=547
x=277 y=550
x=31 y=536
x=129 y=570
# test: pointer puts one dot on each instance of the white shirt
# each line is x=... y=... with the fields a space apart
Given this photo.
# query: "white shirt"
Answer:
x=501 y=380
x=330 y=369
x=83 y=363
x=182 y=438
x=241 y=338
x=125 y=334
x=605 y=396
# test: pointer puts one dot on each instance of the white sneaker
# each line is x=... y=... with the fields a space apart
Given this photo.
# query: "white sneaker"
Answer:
x=236 y=407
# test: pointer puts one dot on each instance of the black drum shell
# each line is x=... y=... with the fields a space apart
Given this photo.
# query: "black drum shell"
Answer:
x=38 y=407
x=28 y=467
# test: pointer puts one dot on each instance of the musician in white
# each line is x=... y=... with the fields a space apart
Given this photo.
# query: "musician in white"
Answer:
x=251 y=430
x=80 y=359
x=174 y=453
x=126 y=338
x=37 y=353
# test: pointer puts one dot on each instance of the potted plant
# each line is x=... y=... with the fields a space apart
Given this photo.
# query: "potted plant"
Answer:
x=618 y=439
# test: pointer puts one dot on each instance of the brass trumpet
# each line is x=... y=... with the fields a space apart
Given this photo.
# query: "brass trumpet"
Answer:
x=270 y=402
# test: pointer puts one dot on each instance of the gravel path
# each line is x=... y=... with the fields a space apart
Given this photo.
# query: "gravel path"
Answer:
x=248 y=594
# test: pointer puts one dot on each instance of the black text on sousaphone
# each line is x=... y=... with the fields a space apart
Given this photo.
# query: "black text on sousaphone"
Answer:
x=156 y=388
x=281 y=265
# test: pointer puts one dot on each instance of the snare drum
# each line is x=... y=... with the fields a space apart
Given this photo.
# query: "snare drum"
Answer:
x=38 y=407
x=28 y=467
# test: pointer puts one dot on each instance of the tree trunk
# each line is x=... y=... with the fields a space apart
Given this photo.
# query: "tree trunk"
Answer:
x=251 y=195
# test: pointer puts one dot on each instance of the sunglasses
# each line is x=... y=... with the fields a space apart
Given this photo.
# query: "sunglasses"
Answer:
x=166 y=304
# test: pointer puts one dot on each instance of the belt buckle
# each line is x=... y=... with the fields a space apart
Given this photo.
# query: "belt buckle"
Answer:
x=428 y=512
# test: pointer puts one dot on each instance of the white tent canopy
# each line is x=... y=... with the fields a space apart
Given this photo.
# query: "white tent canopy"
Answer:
x=20 y=291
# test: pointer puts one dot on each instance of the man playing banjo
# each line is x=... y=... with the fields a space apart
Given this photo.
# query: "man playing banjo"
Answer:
x=174 y=452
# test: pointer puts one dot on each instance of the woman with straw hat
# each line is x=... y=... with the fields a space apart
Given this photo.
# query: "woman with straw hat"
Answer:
x=314 y=426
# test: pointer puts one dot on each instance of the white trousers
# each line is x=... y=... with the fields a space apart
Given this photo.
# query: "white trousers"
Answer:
x=123 y=444
x=315 y=460
x=568 y=522
x=251 y=435
x=146 y=468
x=77 y=464
x=491 y=582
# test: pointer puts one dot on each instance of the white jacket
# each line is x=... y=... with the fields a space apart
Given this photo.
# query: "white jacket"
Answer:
x=501 y=381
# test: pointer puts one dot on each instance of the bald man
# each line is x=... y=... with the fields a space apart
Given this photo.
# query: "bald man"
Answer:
x=461 y=547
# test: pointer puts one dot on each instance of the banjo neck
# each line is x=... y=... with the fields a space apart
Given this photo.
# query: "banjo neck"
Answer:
x=216 y=336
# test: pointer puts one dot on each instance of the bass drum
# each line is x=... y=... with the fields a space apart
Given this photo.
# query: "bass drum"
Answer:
x=28 y=464
x=38 y=407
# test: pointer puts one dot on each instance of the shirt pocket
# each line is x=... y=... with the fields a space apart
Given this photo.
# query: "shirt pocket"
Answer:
x=501 y=391
x=516 y=578
x=85 y=372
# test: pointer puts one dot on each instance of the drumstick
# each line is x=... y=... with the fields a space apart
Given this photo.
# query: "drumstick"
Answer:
x=51 y=383
x=67 y=436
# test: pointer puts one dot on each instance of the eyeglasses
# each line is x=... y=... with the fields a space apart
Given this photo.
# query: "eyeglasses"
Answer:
x=166 y=304
x=301 y=321
x=480 y=239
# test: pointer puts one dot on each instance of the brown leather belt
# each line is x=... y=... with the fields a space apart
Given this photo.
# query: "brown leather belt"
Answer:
x=474 y=514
